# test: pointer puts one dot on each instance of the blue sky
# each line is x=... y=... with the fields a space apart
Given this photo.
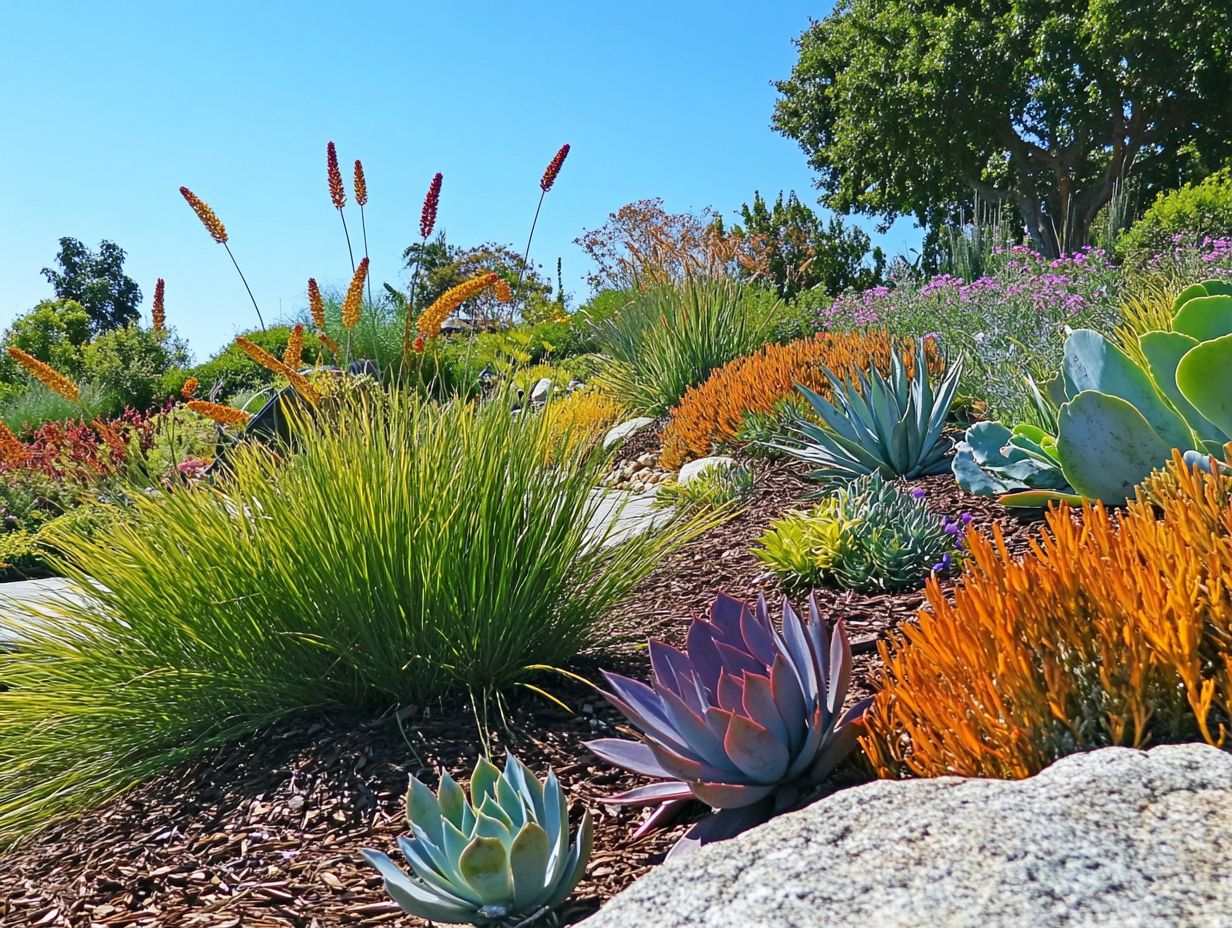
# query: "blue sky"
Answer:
x=109 y=108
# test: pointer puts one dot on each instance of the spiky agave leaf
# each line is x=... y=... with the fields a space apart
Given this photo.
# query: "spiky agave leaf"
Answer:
x=888 y=425
x=502 y=855
x=746 y=715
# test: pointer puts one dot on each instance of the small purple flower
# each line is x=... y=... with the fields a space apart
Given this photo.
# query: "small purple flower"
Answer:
x=918 y=493
x=943 y=564
x=965 y=518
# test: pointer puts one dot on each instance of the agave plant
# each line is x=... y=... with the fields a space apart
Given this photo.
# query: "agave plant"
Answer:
x=502 y=857
x=891 y=426
x=745 y=719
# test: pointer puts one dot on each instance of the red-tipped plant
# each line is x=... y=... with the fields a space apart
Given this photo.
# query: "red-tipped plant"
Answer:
x=337 y=193
x=427 y=222
x=545 y=184
x=218 y=232
x=316 y=304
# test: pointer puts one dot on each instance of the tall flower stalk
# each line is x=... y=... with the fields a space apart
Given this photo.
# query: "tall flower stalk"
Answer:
x=545 y=184
x=337 y=194
x=427 y=222
x=218 y=232
x=361 y=197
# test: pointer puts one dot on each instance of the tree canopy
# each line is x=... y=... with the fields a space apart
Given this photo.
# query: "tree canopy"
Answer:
x=802 y=253
x=910 y=107
x=97 y=281
x=441 y=266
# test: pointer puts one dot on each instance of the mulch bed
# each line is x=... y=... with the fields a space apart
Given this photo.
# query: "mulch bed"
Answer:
x=267 y=832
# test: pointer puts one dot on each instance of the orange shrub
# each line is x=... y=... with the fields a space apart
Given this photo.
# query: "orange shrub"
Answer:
x=1109 y=632
x=715 y=411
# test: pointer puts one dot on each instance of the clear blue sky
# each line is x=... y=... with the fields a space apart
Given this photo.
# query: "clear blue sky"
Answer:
x=109 y=107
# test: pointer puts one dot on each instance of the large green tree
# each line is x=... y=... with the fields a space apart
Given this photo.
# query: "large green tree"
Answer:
x=911 y=107
x=802 y=253
x=97 y=281
x=441 y=266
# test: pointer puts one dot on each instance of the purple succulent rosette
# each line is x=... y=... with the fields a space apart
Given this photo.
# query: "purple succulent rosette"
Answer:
x=745 y=719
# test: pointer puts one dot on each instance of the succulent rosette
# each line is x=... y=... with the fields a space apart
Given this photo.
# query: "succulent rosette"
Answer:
x=746 y=719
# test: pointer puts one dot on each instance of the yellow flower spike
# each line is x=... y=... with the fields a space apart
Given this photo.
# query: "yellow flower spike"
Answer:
x=293 y=357
x=223 y=415
x=354 y=301
x=47 y=375
x=432 y=317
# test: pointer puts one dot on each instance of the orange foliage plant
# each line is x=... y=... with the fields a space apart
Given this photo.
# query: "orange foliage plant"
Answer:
x=1109 y=631
x=714 y=412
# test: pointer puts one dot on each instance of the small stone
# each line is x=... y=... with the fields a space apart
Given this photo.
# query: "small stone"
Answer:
x=541 y=390
x=647 y=459
x=620 y=432
x=695 y=469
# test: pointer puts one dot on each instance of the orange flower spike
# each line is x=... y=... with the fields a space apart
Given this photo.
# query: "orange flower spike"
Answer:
x=11 y=448
x=293 y=357
x=208 y=217
x=189 y=390
x=223 y=415
x=316 y=303
x=354 y=301
x=361 y=184
x=158 y=314
x=47 y=375
x=501 y=290
x=337 y=192
x=297 y=380
x=432 y=317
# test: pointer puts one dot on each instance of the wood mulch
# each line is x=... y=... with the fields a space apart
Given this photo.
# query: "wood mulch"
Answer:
x=267 y=832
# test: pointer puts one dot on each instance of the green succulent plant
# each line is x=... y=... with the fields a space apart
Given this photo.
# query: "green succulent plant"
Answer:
x=500 y=858
x=868 y=536
x=890 y=426
x=714 y=487
x=1118 y=419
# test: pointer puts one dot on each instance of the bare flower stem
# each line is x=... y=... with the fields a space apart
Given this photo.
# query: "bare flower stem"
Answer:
x=347 y=233
x=246 y=287
x=526 y=257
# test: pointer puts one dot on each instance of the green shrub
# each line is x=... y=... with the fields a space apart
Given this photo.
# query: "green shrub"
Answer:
x=1190 y=214
x=410 y=551
x=868 y=537
x=129 y=363
x=55 y=332
x=670 y=338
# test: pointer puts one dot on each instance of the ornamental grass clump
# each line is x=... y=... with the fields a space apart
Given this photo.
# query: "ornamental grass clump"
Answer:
x=673 y=336
x=405 y=551
x=1109 y=631
x=747 y=719
x=502 y=858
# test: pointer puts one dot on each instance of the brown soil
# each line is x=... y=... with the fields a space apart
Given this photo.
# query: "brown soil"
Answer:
x=268 y=832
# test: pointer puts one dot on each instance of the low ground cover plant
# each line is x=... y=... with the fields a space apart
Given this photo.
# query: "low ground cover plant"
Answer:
x=412 y=550
x=720 y=485
x=868 y=536
x=1111 y=631
x=717 y=412
x=1004 y=324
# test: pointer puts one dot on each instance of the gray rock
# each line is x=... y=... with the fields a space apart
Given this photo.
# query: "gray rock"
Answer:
x=1115 y=837
x=694 y=469
x=539 y=394
x=620 y=432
